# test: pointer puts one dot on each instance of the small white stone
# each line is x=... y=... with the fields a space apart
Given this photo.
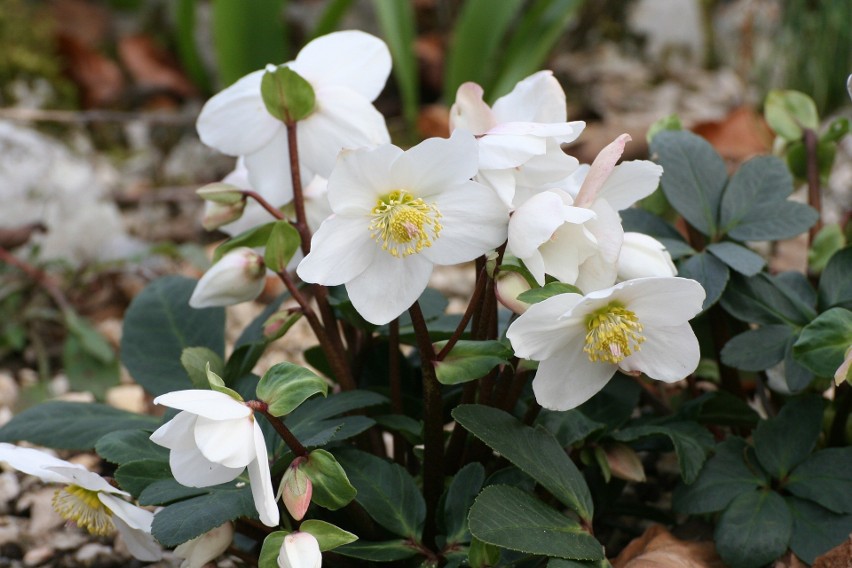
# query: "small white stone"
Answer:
x=127 y=397
x=38 y=556
x=90 y=554
x=10 y=488
x=8 y=390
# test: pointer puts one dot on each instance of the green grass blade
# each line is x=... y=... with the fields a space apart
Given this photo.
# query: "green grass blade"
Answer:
x=397 y=21
x=183 y=12
x=330 y=19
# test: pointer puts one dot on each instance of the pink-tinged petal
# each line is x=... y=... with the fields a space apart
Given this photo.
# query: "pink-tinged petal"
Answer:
x=134 y=526
x=236 y=121
x=470 y=112
x=569 y=247
x=436 y=164
x=546 y=327
x=389 y=286
x=85 y=479
x=261 y=482
x=190 y=468
x=227 y=442
x=351 y=58
x=501 y=182
x=551 y=167
x=534 y=222
x=343 y=120
x=474 y=221
x=340 y=251
x=600 y=170
x=35 y=462
x=668 y=353
x=537 y=98
x=269 y=171
x=662 y=301
x=360 y=177
x=207 y=403
x=498 y=151
x=630 y=182
x=568 y=379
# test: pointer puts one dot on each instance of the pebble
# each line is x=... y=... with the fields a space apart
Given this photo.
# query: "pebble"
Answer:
x=8 y=390
x=93 y=553
x=43 y=517
x=10 y=488
x=127 y=397
x=38 y=556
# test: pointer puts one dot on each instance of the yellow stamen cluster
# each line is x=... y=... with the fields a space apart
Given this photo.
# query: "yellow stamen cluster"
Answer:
x=83 y=508
x=404 y=224
x=614 y=333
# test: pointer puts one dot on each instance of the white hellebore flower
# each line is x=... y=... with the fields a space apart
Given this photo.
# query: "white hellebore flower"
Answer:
x=212 y=441
x=642 y=256
x=636 y=326
x=347 y=71
x=196 y=553
x=520 y=136
x=300 y=550
x=239 y=276
x=88 y=501
x=396 y=215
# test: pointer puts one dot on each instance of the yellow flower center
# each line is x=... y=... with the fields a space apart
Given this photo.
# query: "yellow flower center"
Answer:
x=83 y=508
x=614 y=333
x=404 y=224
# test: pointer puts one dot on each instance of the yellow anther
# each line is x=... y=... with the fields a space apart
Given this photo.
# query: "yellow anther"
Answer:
x=83 y=508
x=404 y=224
x=614 y=333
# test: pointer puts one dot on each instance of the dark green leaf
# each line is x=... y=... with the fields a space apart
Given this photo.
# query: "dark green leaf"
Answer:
x=252 y=238
x=336 y=404
x=765 y=300
x=510 y=518
x=757 y=349
x=614 y=404
x=755 y=529
x=271 y=549
x=87 y=372
x=386 y=491
x=470 y=360
x=387 y=551
x=569 y=427
x=835 y=284
x=71 y=425
x=550 y=289
x=535 y=451
x=283 y=243
x=709 y=271
x=195 y=361
x=135 y=476
x=159 y=325
x=815 y=530
x=328 y=536
x=775 y=220
x=738 y=257
x=825 y=478
x=694 y=176
x=720 y=408
x=822 y=345
x=288 y=97
x=165 y=491
x=724 y=477
x=786 y=440
x=286 y=385
x=691 y=443
x=247 y=36
x=827 y=242
x=796 y=376
x=460 y=496
x=797 y=284
x=122 y=446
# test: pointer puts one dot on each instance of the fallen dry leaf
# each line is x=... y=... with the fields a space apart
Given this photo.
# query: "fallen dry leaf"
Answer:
x=87 y=22
x=152 y=67
x=657 y=548
x=434 y=120
x=739 y=136
x=789 y=560
x=98 y=77
x=838 y=557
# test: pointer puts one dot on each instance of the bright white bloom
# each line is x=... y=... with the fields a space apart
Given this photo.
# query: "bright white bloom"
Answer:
x=642 y=256
x=205 y=548
x=635 y=326
x=520 y=136
x=212 y=441
x=88 y=501
x=239 y=276
x=396 y=215
x=300 y=550
x=347 y=71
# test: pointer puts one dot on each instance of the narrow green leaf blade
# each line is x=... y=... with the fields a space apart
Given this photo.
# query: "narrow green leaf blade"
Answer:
x=247 y=36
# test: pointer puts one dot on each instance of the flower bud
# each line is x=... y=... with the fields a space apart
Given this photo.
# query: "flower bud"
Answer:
x=279 y=323
x=624 y=462
x=217 y=214
x=296 y=489
x=205 y=548
x=300 y=550
x=239 y=276
x=508 y=286
x=220 y=192
x=642 y=256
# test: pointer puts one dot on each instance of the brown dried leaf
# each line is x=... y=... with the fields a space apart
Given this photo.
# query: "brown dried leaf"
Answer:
x=99 y=78
x=434 y=120
x=87 y=22
x=739 y=136
x=16 y=236
x=152 y=67
x=657 y=548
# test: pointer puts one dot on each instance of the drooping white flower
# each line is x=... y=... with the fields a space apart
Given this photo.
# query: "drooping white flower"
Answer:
x=300 y=550
x=239 y=276
x=642 y=256
x=87 y=500
x=212 y=440
x=636 y=326
x=396 y=215
x=196 y=553
x=519 y=137
x=347 y=71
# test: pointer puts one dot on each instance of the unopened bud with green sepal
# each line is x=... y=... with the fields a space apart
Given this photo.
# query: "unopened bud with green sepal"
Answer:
x=279 y=324
x=331 y=487
x=296 y=489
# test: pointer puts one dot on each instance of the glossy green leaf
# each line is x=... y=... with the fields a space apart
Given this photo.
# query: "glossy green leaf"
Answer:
x=252 y=238
x=135 y=476
x=796 y=376
x=743 y=260
x=786 y=440
x=825 y=478
x=816 y=530
x=710 y=272
x=822 y=345
x=827 y=242
x=195 y=361
x=460 y=496
x=283 y=243
x=535 y=451
x=766 y=300
x=510 y=518
x=122 y=446
x=788 y=112
x=328 y=535
x=287 y=95
x=544 y=292
x=470 y=360
x=482 y=554
x=286 y=385
x=271 y=549
x=835 y=284
x=755 y=529
x=331 y=487
x=757 y=349
x=691 y=443
x=167 y=491
x=569 y=426
x=387 y=551
x=159 y=325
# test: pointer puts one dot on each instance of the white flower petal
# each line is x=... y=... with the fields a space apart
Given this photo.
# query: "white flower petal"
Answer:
x=389 y=286
x=340 y=251
x=436 y=164
x=470 y=112
x=342 y=120
x=86 y=479
x=474 y=221
x=630 y=182
x=568 y=379
x=350 y=58
x=534 y=222
x=237 y=277
x=643 y=256
x=662 y=301
x=668 y=353
x=569 y=247
x=226 y=442
x=537 y=98
x=546 y=327
x=261 y=481
x=236 y=121
x=207 y=403
x=200 y=550
x=360 y=177
x=35 y=462
x=134 y=526
x=548 y=168
x=502 y=182
x=300 y=550
x=499 y=151
x=269 y=171
x=135 y=517
x=177 y=433
x=190 y=467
